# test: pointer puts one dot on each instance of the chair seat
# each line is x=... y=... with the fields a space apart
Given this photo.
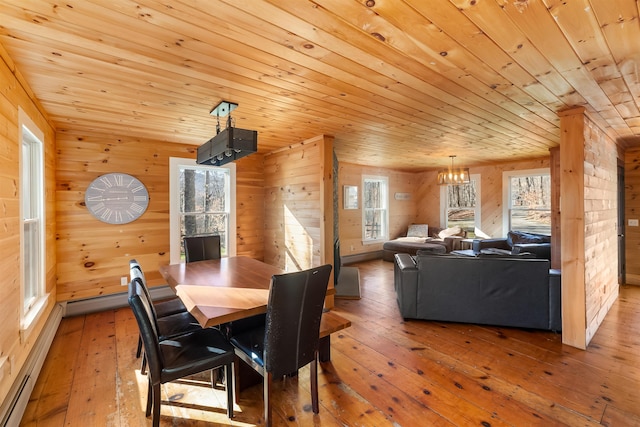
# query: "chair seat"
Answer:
x=186 y=353
x=168 y=307
x=251 y=343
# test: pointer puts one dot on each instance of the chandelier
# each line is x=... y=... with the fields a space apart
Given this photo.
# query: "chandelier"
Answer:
x=453 y=176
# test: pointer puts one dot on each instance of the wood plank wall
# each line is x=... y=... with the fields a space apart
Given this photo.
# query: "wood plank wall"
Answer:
x=556 y=230
x=601 y=220
x=588 y=159
x=15 y=94
x=250 y=206
x=92 y=255
x=293 y=206
x=632 y=211
x=491 y=194
x=401 y=212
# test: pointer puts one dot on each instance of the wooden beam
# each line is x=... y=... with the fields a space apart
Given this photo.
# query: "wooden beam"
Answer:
x=572 y=224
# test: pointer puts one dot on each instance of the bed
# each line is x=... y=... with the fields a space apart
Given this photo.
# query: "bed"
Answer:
x=418 y=239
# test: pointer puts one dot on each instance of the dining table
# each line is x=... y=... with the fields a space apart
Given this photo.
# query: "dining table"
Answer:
x=221 y=290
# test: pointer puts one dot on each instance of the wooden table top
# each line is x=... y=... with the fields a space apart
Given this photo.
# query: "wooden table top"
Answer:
x=221 y=290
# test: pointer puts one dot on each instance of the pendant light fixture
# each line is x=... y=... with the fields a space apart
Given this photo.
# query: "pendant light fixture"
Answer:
x=229 y=144
x=453 y=175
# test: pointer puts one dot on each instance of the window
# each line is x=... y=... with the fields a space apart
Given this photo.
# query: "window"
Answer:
x=32 y=237
x=375 y=209
x=202 y=202
x=461 y=205
x=528 y=201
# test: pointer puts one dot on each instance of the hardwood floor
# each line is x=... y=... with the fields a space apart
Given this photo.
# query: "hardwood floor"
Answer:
x=383 y=372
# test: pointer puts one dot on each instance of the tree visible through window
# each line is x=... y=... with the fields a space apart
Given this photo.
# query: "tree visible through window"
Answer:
x=462 y=202
x=204 y=203
x=530 y=203
x=460 y=205
x=375 y=195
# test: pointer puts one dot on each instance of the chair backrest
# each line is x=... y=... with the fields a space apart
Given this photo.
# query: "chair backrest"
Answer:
x=135 y=272
x=143 y=311
x=134 y=264
x=293 y=318
x=200 y=248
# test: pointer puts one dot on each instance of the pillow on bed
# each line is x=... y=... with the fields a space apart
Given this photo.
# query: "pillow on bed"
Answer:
x=418 y=230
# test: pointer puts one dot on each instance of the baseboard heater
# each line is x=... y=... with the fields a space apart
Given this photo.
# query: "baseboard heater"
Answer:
x=12 y=409
x=367 y=256
x=109 y=302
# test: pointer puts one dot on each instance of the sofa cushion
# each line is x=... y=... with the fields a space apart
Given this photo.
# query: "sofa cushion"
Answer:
x=515 y=237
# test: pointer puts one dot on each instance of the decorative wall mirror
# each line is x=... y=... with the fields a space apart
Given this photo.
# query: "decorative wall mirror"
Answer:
x=350 y=197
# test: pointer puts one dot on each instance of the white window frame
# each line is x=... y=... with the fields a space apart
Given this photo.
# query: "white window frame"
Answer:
x=384 y=235
x=506 y=192
x=444 y=203
x=175 y=163
x=32 y=199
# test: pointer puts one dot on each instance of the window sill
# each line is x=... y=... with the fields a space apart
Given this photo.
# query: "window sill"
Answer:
x=29 y=320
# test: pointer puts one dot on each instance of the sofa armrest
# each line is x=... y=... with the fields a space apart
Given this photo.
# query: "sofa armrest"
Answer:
x=555 y=300
x=405 y=277
x=498 y=243
x=540 y=250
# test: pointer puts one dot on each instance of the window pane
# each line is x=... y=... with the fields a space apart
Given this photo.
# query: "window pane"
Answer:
x=462 y=203
x=531 y=192
x=532 y=221
x=462 y=196
x=31 y=263
x=374 y=213
x=374 y=224
x=530 y=200
x=373 y=194
x=204 y=203
x=463 y=218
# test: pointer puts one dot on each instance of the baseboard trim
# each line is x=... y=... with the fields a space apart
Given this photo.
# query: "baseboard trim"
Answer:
x=367 y=256
x=110 y=302
x=12 y=410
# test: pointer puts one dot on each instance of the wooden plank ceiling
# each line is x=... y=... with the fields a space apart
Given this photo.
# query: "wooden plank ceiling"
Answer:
x=398 y=83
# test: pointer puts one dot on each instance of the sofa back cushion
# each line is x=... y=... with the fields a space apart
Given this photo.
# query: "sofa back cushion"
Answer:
x=515 y=237
x=494 y=291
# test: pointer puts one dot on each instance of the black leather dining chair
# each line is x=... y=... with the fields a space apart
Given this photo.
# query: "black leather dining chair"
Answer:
x=172 y=322
x=289 y=338
x=200 y=248
x=180 y=356
x=167 y=306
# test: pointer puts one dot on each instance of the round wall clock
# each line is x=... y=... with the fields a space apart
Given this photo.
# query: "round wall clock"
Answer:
x=116 y=198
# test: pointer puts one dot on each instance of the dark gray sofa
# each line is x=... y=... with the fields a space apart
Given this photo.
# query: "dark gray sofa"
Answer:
x=516 y=242
x=503 y=291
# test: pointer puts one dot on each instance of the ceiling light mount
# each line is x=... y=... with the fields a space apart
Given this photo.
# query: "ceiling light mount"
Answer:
x=223 y=109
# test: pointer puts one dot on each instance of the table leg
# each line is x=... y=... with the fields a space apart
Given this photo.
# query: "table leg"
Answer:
x=324 y=349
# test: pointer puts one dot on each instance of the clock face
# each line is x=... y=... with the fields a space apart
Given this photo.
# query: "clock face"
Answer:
x=116 y=198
